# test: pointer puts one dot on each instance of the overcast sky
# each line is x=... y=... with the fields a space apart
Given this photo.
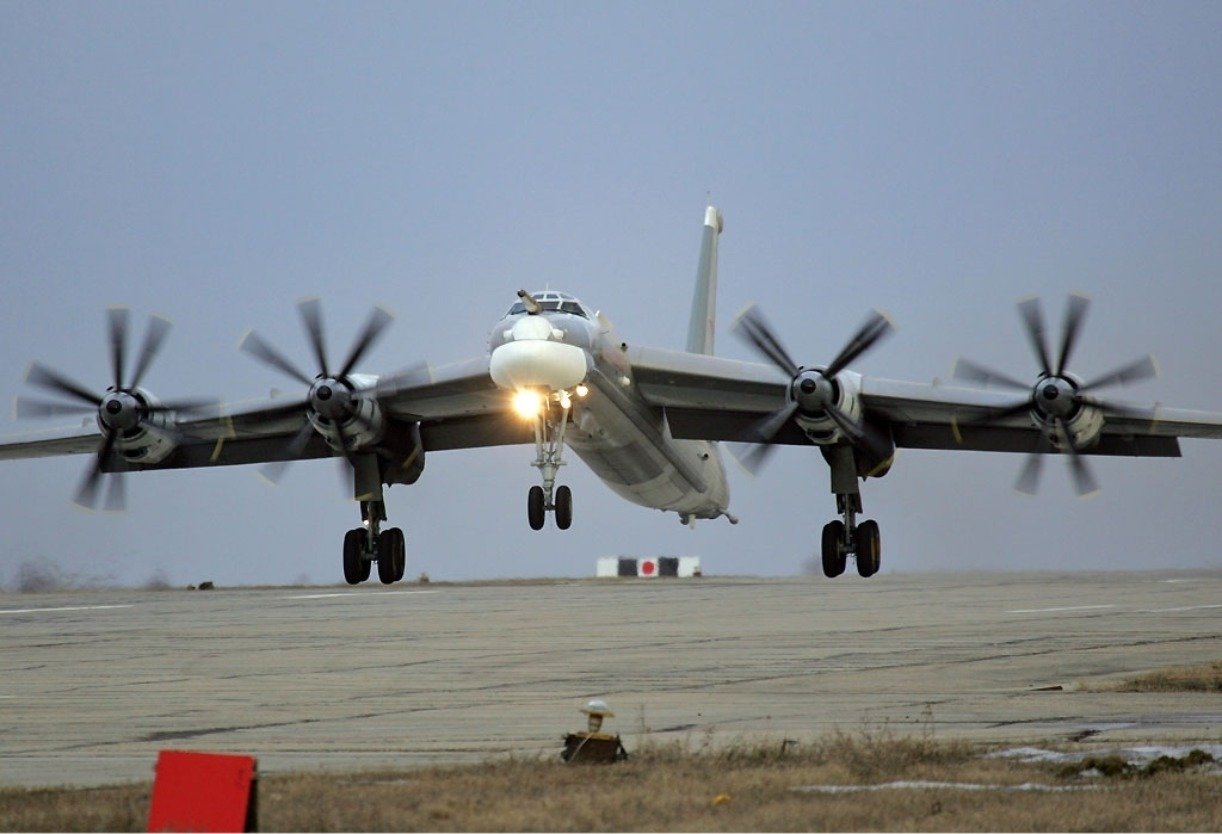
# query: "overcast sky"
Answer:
x=215 y=162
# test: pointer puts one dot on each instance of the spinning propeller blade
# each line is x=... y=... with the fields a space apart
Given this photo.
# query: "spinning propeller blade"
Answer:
x=1065 y=393
x=310 y=310
x=754 y=328
x=120 y=409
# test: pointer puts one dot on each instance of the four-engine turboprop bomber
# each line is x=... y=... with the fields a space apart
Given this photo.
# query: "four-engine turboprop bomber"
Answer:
x=649 y=422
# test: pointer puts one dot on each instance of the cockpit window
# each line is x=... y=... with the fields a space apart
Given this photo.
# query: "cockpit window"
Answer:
x=553 y=302
x=557 y=306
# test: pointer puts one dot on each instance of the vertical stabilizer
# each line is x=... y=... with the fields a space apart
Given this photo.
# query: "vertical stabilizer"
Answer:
x=704 y=302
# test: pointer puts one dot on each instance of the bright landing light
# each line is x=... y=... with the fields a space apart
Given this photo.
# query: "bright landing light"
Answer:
x=527 y=403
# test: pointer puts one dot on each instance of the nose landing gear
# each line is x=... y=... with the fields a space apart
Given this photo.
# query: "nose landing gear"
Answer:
x=537 y=507
x=550 y=424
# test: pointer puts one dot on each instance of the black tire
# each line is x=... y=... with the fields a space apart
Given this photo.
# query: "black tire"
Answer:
x=534 y=508
x=833 y=549
x=356 y=569
x=400 y=554
x=387 y=556
x=564 y=507
x=869 y=548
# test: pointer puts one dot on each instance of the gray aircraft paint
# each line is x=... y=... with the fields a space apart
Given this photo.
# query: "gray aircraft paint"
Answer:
x=701 y=330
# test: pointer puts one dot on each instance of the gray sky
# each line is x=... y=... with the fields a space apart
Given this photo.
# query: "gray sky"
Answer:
x=216 y=162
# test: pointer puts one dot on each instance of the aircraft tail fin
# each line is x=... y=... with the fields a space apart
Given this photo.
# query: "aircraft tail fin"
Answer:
x=700 y=330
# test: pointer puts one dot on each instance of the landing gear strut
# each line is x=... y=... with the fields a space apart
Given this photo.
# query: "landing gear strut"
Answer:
x=845 y=535
x=550 y=424
x=369 y=543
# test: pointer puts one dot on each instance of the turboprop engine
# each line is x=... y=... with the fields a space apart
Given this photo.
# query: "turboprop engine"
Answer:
x=345 y=419
x=1061 y=404
x=340 y=406
x=823 y=401
x=132 y=422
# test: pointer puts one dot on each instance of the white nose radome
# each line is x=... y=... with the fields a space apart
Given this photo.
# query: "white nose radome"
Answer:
x=537 y=362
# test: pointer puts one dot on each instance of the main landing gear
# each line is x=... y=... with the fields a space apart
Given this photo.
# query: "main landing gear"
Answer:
x=845 y=535
x=840 y=538
x=368 y=543
x=550 y=424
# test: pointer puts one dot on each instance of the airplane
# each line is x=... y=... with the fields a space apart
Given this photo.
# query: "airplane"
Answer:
x=649 y=422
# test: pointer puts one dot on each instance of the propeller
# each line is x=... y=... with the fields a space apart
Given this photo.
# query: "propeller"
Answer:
x=812 y=391
x=331 y=395
x=1056 y=397
x=120 y=409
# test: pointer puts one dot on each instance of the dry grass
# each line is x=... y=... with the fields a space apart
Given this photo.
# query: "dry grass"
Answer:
x=117 y=808
x=1204 y=678
x=689 y=786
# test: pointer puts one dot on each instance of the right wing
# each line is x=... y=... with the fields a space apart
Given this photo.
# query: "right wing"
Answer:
x=456 y=406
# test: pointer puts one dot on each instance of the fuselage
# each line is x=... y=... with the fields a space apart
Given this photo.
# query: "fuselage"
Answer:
x=561 y=350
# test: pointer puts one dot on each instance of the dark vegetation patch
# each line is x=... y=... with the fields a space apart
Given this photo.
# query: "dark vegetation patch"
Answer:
x=1117 y=767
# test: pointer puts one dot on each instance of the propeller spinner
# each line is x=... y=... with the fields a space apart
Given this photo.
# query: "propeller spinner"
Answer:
x=1057 y=397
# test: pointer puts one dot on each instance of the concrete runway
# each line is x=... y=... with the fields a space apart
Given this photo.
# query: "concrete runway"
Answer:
x=93 y=684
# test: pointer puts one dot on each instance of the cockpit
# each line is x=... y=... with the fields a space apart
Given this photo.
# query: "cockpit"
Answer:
x=551 y=301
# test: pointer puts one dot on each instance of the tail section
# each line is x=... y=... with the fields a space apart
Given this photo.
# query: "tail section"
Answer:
x=704 y=303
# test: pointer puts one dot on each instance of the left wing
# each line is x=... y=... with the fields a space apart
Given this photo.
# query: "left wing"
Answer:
x=710 y=398
x=50 y=442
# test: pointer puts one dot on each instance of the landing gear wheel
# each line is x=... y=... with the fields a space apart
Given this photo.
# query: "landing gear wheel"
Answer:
x=386 y=557
x=356 y=568
x=400 y=554
x=392 y=556
x=564 y=507
x=869 y=548
x=534 y=507
x=833 y=549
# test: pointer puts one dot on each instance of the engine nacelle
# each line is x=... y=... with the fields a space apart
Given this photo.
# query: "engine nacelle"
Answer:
x=145 y=435
x=1063 y=414
x=401 y=453
x=362 y=422
x=874 y=460
x=1085 y=427
x=811 y=392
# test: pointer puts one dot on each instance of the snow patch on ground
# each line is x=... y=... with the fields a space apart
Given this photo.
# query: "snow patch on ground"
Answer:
x=919 y=784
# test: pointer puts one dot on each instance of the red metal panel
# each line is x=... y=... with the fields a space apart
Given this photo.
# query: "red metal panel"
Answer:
x=202 y=792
